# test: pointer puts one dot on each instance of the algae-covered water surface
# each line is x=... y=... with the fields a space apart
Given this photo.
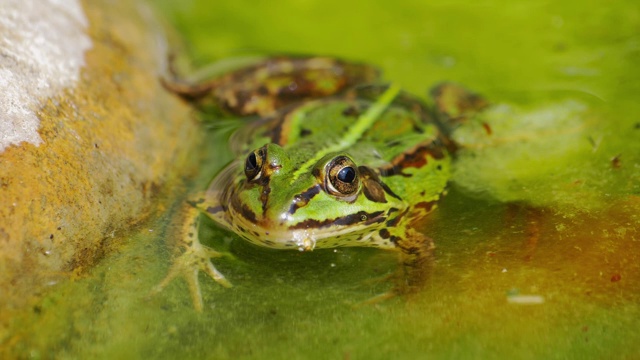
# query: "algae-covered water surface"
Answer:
x=537 y=241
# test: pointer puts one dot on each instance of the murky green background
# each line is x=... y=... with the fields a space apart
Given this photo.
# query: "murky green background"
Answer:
x=544 y=204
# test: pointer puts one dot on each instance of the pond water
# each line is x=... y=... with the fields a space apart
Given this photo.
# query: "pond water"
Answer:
x=538 y=240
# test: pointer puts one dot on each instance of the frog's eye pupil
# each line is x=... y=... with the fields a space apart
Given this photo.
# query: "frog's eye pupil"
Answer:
x=252 y=163
x=347 y=175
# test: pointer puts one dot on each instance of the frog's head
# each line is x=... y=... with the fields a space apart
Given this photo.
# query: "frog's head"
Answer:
x=322 y=201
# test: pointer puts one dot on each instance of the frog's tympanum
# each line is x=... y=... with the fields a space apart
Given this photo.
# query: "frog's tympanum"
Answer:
x=332 y=159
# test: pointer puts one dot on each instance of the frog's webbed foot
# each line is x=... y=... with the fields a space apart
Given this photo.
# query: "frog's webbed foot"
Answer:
x=194 y=259
x=188 y=265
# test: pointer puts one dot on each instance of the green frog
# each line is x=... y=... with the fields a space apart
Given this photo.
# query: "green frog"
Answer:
x=330 y=159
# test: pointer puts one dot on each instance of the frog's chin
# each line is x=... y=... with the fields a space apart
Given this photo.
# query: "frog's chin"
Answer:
x=272 y=238
x=307 y=239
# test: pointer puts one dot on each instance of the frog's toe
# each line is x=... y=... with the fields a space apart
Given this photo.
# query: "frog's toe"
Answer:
x=216 y=275
x=191 y=278
x=188 y=266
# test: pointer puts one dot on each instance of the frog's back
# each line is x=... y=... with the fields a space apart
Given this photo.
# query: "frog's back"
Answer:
x=308 y=105
x=396 y=145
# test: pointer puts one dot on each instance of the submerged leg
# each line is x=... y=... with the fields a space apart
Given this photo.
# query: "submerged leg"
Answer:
x=263 y=87
x=455 y=104
x=195 y=258
x=417 y=260
x=416 y=257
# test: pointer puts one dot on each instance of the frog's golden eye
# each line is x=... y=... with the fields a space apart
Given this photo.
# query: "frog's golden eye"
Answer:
x=253 y=164
x=342 y=177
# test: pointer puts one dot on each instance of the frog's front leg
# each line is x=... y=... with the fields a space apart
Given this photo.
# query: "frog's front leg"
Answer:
x=195 y=258
x=417 y=257
x=415 y=247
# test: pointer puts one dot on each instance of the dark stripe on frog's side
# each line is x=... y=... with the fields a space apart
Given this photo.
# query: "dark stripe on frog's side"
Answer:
x=427 y=206
x=416 y=158
x=303 y=198
x=393 y=222
x=351 y=219
x=243 y=209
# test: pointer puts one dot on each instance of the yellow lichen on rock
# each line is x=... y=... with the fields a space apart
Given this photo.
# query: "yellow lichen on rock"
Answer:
x=111 y=147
